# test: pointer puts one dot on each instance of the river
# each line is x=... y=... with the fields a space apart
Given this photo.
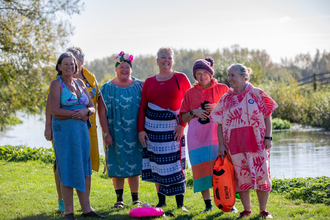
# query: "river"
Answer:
x=298 y=153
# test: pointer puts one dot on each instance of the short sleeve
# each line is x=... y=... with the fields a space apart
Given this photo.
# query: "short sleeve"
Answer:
x=185 y=105
x=266 y=104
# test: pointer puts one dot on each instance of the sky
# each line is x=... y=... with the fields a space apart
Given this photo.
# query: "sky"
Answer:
x=283 y=28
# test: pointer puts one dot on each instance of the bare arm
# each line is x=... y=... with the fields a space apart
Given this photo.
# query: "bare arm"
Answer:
x=200 y=113
x=222 y=147
x=268 y=123
x=104 y=121
x=48 y=124
x=54 y=98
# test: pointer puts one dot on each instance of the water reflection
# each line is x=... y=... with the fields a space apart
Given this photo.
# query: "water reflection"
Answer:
x=300 y=154
x=294 y=153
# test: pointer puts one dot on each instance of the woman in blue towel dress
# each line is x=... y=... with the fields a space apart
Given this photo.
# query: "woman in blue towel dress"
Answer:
x=118 y=111
x=71 y=106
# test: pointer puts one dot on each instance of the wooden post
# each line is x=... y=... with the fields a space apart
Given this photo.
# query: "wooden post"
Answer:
x=314 y=80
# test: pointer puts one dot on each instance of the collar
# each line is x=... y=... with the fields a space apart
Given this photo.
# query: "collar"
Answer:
x=90 y=77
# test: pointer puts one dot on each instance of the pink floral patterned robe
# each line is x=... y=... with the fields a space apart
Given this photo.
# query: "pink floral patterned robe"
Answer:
x=242 y=119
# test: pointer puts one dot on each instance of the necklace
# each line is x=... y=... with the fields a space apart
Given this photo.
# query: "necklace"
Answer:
x=72 y=88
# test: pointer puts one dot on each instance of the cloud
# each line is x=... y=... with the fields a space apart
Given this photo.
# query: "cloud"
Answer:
x=285 y=19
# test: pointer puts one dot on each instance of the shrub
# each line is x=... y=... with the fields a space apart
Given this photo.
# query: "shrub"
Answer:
x=189 y=177
x=23 y=153
x=278 y=123
x=289 y=98
x=311 y=190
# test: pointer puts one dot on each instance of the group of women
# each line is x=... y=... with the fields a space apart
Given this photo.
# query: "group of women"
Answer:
x=143 y=129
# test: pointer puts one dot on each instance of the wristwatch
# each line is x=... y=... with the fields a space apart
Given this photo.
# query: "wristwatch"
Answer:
x=269 y=138
x=105 y=134
x=89 y=113
x=191 y=113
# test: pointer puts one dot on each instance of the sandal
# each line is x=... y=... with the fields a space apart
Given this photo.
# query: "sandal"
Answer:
x=137 y=202
x=244 y=214
x=119 y=205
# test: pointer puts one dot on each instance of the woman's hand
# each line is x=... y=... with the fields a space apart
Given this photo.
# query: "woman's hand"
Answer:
x=209 y=107
x=179 y=132
x=108 y=140
x=142 y=138
x=267 y=144
x=48 y=133
x=222 y=150
x=200 y=113
x=80 y=114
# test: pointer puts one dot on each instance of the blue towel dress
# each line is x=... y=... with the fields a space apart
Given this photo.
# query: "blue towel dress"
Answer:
x=72 y=143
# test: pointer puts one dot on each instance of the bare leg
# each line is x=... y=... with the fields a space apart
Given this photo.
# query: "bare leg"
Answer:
x=67 y=193
x=58 y=185
x=263 y=199
x=134 y=183
x=118 y=183
x=90 y=185
x=84 y=197
x=157 y=186
x=206 y=194
x=245 y=198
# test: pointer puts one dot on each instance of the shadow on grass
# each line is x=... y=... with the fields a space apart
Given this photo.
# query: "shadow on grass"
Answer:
x=113 y=214
x=108 y=214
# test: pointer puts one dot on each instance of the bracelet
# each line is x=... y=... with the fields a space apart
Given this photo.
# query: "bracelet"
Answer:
x=105 y=134
x=269 y=138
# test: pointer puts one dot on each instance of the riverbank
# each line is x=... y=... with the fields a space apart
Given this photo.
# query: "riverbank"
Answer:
x=27 y=191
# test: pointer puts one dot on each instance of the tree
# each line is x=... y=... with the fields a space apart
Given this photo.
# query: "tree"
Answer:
x=32 y=33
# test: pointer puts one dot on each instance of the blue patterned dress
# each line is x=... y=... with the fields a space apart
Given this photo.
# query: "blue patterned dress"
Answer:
x=122 y=104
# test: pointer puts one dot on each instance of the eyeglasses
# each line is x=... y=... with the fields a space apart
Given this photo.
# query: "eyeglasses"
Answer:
x=202 y=74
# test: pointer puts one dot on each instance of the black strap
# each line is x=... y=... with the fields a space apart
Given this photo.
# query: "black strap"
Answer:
x=176 y=81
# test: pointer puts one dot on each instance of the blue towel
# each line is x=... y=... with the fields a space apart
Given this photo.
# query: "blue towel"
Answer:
x=72 y=150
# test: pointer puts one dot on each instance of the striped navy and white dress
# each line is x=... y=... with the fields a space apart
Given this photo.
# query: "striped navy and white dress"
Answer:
x=164 y=159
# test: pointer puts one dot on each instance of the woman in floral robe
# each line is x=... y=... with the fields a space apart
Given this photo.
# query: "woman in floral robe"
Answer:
x=243 y=116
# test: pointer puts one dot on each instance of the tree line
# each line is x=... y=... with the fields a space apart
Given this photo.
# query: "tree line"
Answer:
x=34 y=31
x=301 y=66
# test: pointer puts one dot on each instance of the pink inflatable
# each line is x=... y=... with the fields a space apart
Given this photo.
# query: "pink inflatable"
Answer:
x=146 y=212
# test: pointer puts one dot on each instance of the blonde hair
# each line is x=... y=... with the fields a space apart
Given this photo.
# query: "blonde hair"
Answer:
x=170 y=50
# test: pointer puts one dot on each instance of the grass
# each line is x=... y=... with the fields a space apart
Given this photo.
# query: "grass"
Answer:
x=27 y=191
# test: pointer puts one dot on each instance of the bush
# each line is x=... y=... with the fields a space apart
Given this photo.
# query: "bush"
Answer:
x=290 y=99
x=297 y=104
x=23 y=153
x=189 y=177
x=311 y=190
x=278 y=123
x=318 y=109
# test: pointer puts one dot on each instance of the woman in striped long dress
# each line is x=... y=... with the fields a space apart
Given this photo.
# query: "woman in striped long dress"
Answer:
x=161 y=132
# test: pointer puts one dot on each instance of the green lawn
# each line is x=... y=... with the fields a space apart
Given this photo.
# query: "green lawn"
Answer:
x=27 y=191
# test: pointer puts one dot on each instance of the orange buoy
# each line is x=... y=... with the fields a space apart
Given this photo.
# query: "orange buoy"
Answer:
x=223 y=182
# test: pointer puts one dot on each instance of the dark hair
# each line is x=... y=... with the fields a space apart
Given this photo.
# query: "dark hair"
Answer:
x=62 y=57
